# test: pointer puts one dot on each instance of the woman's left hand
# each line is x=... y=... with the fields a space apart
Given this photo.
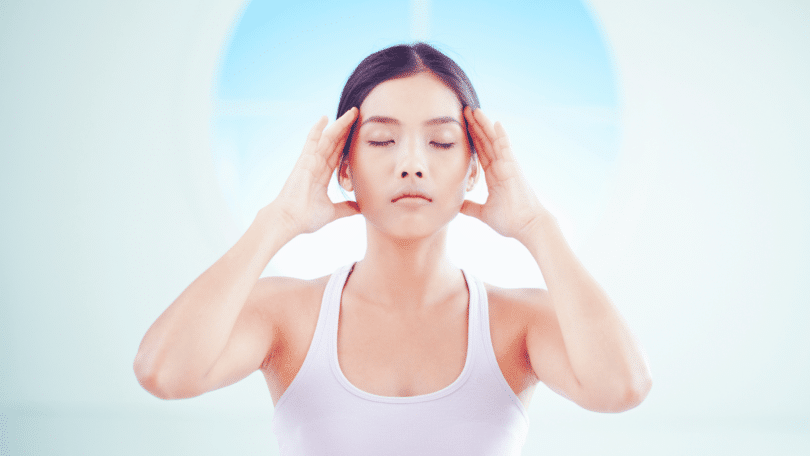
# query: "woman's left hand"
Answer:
x=512 y=206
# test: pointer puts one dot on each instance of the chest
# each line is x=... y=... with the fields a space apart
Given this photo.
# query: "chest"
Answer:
x=387 y=354
x=390 y=354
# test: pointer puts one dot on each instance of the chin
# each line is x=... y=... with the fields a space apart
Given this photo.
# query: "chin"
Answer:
x=408 y=233
x=409 y=227
x=412 y=231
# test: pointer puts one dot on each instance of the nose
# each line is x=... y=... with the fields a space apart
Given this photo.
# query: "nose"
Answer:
x=412 y=161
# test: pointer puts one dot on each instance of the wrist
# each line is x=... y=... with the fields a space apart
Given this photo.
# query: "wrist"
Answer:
x=544 y=240
x=541 y=223
x=275 y=224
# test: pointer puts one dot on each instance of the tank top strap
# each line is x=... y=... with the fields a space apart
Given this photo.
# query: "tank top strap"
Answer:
x=486 y=351
x=316 y=362
x=479 y=316
x=475 y=332
x=331 y=301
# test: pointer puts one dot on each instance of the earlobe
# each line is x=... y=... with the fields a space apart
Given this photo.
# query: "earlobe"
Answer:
x=474 y=173
x=345 y=176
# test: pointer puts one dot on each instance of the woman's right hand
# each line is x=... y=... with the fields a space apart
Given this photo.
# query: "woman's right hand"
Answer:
x=303 y=203
x=221 y=328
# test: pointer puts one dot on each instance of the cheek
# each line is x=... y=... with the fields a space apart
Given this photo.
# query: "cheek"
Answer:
x=365 y=180
x=456 y=179
x=462 y=167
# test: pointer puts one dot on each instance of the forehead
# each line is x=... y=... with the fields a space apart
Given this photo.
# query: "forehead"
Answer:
x=418 y=97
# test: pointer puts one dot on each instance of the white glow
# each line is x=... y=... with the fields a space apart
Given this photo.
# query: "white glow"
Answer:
x=111 y=206
x=420 y=20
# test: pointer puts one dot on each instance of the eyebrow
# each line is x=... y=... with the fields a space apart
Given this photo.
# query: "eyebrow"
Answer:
x=391 y=120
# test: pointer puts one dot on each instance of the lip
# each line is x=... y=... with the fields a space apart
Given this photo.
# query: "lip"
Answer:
x=411 y=201
x=411 y=195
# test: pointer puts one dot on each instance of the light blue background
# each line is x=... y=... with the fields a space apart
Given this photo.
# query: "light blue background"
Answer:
x=111 y=203
x=542 y=69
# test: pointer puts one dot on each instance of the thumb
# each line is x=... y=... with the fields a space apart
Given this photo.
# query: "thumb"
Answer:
x=471 y=209
x=346 y=209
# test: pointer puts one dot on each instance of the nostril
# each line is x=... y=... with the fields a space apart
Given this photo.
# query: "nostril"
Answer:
x=404 y=173
x=419 y=173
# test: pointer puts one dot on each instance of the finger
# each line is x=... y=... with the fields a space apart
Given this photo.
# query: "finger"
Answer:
x=502 y=144
x=332 y=152
x=497 y=142
x=501 y=147
x=475 y=133
x=469 y=128
x=486 y=125
x=483 y=147
x=346 y=209
x=471 y=209
x=336 y=150
x=314 y=135
x=337 y=131
x=481 y=142
x=477 y=136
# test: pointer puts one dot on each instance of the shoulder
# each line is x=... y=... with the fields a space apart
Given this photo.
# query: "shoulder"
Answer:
x=287 y=301
x=289 y=288
x=519 y=305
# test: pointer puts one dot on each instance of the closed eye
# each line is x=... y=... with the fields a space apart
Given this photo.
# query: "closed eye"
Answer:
x=381 y=143
x=442 y=145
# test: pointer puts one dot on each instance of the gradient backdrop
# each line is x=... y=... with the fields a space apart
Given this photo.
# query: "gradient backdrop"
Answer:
x=138 y=140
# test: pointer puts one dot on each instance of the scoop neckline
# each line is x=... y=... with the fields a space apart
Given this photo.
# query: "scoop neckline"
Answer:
x=472 y=296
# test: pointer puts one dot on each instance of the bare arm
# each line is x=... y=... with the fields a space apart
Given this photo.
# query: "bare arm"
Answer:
x=220 y=329
x=605 y=369
x=182 y=345
x=577 y=342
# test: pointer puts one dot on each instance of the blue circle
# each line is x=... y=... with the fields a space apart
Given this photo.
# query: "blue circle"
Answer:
x=542 y=68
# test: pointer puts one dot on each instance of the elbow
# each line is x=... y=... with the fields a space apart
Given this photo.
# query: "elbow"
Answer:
x=621 y=397
x=633 y=394
x=153 y=380
x=148 y=378
x=634 y=389
x=151 y=385
x=161 y=389
x=636 y=394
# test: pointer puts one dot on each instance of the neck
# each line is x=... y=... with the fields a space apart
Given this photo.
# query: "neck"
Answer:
x=405 y=274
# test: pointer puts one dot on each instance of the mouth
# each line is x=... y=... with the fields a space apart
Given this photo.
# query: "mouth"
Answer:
x=411 y=196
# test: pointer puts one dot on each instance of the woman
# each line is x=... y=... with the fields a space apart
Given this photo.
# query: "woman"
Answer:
x=402 y=352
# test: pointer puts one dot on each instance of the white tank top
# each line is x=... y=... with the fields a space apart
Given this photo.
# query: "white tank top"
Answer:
x=321 y=413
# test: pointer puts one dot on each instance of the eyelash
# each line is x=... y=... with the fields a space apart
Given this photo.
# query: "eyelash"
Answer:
x=442 y=145
x=391 y=141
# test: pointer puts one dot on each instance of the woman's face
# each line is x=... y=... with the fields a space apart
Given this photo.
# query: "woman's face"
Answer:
x=409 y=163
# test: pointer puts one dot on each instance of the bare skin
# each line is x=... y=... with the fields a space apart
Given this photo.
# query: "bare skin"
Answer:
x=403 y=321
x=407 y=360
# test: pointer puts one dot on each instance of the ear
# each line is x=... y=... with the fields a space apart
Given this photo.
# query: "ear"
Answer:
x=474 y=173
x=345 y=175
